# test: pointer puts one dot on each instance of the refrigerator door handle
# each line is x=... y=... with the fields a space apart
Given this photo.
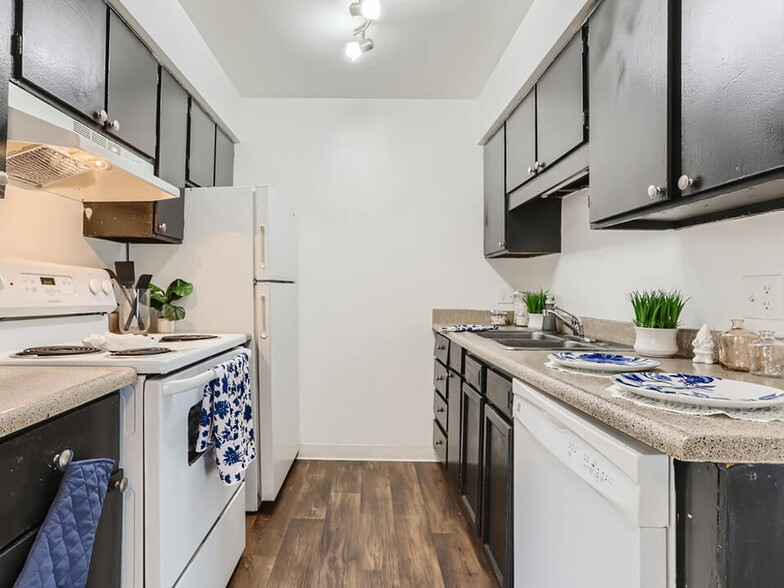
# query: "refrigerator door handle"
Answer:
x=264 y=330
x=263 y=247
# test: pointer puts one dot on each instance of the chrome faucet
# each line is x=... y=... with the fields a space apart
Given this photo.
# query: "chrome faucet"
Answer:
x=558 y=314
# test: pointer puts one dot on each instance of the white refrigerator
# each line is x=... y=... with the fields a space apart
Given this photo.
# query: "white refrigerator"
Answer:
x=240 y=252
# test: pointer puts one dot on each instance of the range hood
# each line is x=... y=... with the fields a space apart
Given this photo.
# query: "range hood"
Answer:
x=50 y=151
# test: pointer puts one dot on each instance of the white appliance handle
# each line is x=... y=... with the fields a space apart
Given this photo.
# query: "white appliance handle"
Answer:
x=264 y=330
x=263 y=255
x=178 y=386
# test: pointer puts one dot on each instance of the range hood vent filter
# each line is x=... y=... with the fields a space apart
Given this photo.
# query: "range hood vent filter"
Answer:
x=42 y=165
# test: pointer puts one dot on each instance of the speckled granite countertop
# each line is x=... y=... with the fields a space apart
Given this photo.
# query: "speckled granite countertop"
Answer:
x=717 y=439
x=30 y=395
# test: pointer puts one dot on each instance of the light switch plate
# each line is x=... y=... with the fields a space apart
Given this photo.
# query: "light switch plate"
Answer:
x=761 y=297
x=504 y=295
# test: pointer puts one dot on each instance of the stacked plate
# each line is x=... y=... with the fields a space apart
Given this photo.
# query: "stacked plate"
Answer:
x=608 y=363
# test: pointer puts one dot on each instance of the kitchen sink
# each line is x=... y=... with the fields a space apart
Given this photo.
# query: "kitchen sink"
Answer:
x=536 y=340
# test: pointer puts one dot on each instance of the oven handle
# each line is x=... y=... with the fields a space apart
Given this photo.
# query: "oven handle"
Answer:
x=178 y=386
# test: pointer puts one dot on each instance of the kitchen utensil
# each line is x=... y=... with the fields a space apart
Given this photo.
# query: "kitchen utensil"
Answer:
x=126 y=273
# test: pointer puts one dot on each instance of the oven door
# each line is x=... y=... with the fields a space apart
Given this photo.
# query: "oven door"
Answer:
x=184 y=497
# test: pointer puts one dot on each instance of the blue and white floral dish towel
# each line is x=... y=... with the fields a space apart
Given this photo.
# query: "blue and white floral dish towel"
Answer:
x=60 y=555
x=468 y=328
x=227 y=419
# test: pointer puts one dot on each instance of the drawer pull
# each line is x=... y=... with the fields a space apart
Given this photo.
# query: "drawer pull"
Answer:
x=439 y=378
x=439 y=442
x=439 y=409
x=121 y=485
x=62 y=459
x=441 y=347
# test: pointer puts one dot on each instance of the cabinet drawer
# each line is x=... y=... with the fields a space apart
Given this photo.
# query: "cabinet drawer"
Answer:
x=30 y=482
x=499 y=392
x=440 y=410
x=474 y=373
x=440 y=378
x=441 y=348
x=455 y=358
x=439 y=443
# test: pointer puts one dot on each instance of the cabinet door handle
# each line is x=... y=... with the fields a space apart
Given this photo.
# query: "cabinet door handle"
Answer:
x=685 y=182
x=62 y=459
x=162 y=227
x=440 y=347
x=439 y=410
x=654 y=191
x=114 y=125
x=439 y=442
x=540 y=165
x=121 y=485
x=439 y=378
x=501 y=244
x=3 y=178
x=531 y=170
x=101 y=116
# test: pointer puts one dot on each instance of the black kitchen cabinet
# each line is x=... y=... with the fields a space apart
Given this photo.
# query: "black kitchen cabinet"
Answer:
x=201 y=147
x=497 y=529
x=521 y=161
x=454 y=407
x=560 y=106
x=132 y=89
x=63 y=52
x=732 y=92
x=30 y=484
x=629 y=88
x=224 y=159
x=6 y=71
x=473 y=406
x=534 y=229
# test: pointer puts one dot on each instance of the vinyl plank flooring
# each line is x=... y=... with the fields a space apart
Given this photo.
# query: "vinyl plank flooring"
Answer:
x=362 y=524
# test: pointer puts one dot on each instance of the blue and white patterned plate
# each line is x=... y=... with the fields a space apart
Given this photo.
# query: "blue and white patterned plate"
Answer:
x=602 y=362
x=700 y=390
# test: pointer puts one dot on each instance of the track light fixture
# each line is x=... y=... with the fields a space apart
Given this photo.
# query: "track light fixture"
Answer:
x=370 y=10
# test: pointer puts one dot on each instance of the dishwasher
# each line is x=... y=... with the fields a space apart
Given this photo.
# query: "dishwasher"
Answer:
x=592 y=507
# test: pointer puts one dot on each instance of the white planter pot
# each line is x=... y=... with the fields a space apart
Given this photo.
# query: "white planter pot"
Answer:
x=656 y=342
x=164 y=325
x=535 y=321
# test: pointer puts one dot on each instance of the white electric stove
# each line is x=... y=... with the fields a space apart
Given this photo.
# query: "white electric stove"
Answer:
x=182 y=526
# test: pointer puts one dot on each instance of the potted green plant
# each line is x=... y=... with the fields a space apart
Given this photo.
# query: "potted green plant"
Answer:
x=163 y=302
x=656 y=319
x=535 y=302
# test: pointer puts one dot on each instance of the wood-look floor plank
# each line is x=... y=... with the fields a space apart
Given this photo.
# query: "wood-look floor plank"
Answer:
x=340 y=551
x=379 y=551
x=460 y=566
x=314 y=494
x=296 y=561
x=444 y=513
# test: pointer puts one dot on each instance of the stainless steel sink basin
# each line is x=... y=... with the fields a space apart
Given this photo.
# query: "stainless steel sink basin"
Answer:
x=535 y=340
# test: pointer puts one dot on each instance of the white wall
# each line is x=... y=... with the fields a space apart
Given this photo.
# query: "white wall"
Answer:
x=388 y=196
x=41 y=226
x=596 y=269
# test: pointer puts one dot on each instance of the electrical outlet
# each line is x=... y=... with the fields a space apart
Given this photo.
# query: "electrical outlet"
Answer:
x=761 y=297
x=504 y=295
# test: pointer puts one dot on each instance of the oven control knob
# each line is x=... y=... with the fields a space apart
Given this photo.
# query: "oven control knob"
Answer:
x=95 y=286
x=106 y=286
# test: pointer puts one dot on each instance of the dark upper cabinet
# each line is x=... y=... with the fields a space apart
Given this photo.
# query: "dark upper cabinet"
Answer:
x=132 y=88
x=521 y=143
x=497 y=531
x=560 y=109
x=6 y=71
x=201 y=147
x=494 y=194
x=224 y=159
x=628 y=89
x=64 y=51
x=732 y=92
x=471 y=451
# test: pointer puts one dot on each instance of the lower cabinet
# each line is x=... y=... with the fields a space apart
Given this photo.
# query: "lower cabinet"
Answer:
x=454 y=396
x=471 y=425
x=497 y=530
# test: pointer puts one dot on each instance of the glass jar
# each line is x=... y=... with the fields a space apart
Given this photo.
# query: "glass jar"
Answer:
x=134 y=310
x=766 y=355
x=520 y=310
x=734 y=347
x=498 y=317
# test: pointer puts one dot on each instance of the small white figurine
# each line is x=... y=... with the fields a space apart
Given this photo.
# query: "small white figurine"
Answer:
x=703 y=346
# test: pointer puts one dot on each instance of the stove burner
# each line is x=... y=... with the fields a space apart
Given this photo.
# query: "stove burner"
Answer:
x=57 y=350
x=181 y=338
x=141 y=351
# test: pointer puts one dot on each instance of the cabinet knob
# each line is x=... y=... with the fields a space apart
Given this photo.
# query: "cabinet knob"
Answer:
x=531 y=170
x=501 y=244
x=440 y=347
x=439 y=409
x=114 y=125
x=101 y=116
x=3 y=178
x=439 y=442
x=654 y=191
x=121 y=485
x=62 y=459
x=685 y=181
x=162 y=227
x=539 y=165
x=439 y=378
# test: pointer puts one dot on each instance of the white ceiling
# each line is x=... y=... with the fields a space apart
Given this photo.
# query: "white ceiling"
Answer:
x=294 y=48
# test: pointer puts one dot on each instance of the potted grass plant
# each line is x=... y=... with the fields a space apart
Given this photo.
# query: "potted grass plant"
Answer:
x=535 y=301
x=163 y=301
x=656 y=319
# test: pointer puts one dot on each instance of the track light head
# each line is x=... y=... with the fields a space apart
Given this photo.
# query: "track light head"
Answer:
x=367 y=9
x=355 y=49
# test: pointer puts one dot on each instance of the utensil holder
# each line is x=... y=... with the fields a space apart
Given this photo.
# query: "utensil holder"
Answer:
x=134 y=310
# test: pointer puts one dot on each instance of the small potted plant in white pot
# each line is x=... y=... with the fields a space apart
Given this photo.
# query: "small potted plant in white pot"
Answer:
x=535 y=301
x=162 y=301
x=656 y=318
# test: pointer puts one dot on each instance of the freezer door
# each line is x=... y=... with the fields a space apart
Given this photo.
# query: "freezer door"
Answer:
x=276 y=238
x=278 y=383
